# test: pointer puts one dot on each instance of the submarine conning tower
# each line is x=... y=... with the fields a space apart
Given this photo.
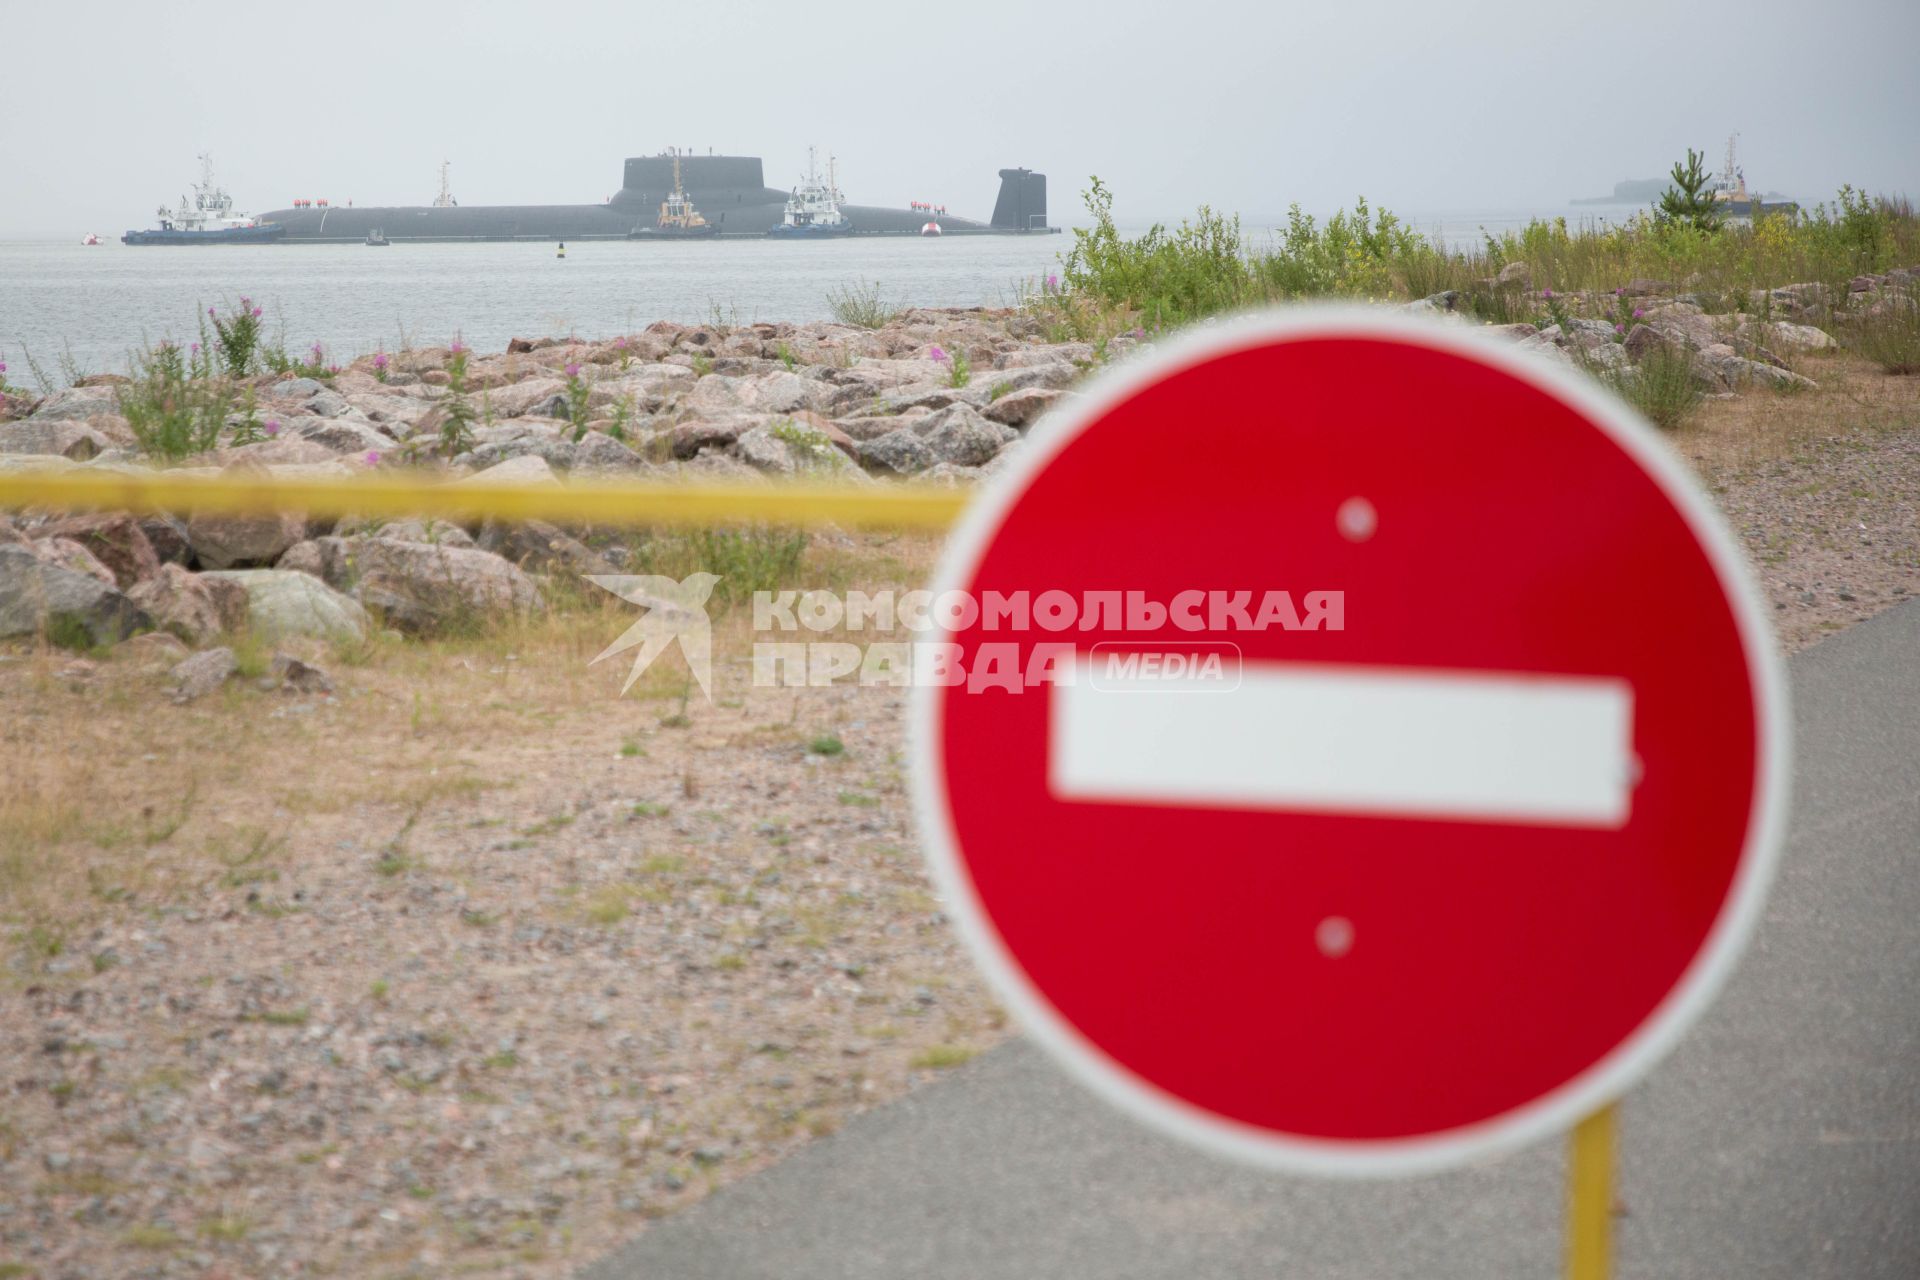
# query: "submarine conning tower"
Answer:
x=648 y=178
x=1022 y=204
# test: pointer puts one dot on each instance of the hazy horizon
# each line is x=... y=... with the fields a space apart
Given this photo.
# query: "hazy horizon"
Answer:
x=1246 y=108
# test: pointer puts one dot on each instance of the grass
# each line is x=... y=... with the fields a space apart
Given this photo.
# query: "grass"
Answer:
x=827 y=744
x=861 y=305
x=1890 y=334
x=940 y=1057
x=1665 y=386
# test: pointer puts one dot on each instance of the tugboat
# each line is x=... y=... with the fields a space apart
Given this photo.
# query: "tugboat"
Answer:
x=90 y=239
x=1731 y=195
x=378 y=238
x=208 y=219
x=678 y=219
x=813 y=210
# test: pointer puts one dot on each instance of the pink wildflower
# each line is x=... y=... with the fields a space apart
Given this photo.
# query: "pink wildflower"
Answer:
x=573 y=370
x=272 y=427
x=380 y=360
x=373 y=457
x=936 y=355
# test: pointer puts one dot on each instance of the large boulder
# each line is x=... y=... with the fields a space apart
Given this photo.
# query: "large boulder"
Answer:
x=691 y=438
x=420 y=587
x=194 y=606
x=346 y=435
x=789 y=448
x=69 y=607
x=1018 y=409
x=522 y=438
x=60 y=437
x=434 y=533
x=779 y=392
x=597 y=451
x=530 y=470
x=424 y=589
x=116 y=541
x=282 y=603
x=958 y=434
x=520 y=398
x=541 y=547
x=240 y=541
x=65 y=553
x=76 y=404
x=902 y=451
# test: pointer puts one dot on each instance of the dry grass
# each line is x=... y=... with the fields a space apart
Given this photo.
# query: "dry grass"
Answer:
x=1855 y=402
x=111 y=795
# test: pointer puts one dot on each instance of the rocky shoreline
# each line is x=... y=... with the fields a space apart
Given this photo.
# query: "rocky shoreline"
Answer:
x=935 y=397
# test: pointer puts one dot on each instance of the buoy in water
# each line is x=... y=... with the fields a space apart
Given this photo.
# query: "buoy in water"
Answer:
x=563 y=250
x=931 y=229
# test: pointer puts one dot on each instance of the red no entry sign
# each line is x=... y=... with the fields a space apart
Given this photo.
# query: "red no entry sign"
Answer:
x=1414 y=756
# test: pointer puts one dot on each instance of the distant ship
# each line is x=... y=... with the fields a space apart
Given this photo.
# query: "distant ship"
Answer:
x=678 y=219
x=207 y=219
x=729 y=192
x=1729 y=190
x=813 y=209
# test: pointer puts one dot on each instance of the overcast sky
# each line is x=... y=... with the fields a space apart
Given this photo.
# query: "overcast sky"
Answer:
x=1425 y=106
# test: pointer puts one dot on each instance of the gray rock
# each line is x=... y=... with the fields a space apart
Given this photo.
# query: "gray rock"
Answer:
x=58 y=437
x=959 y=434
x=790 y=448
x=296 y=388
x=76 y=404
x=1019 y=409
x=195 y=607
x=232 y=542
x=554 y=406
x=346 y=435
x=299 y=677
x=282 y=603
x=597 y=451
x=115 y=540
x=541 y=547
x=691 y=438
x=527 y=469
x=435 y=533
x=424 y=589
x=203 y=673
x=902 y=451
x=779 y=392
x=328 y=403
x=36 y=596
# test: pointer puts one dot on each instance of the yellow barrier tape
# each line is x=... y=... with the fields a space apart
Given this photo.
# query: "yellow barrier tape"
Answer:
x=401 y=494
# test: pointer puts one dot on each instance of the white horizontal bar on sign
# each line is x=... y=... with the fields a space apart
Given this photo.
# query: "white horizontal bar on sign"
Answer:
x=1367 y=740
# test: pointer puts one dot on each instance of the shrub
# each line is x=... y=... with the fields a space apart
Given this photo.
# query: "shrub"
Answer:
x=1889 y=333
x=237 y=337
x=1665 y=386
x=456 y=429
x=173 y=405
x=577 y=392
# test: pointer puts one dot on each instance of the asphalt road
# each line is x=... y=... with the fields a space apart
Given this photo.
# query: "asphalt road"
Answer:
x=1781 y=1139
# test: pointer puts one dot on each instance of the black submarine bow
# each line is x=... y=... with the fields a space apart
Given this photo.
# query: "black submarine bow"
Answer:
x=729 y=191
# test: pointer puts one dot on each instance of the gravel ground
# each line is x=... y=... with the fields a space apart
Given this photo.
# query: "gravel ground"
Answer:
x=447 y=973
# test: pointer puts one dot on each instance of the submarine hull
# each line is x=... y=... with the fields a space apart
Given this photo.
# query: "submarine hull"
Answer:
x=729 y=191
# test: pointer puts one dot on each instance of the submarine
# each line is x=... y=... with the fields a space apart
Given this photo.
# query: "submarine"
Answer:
x=730 y=192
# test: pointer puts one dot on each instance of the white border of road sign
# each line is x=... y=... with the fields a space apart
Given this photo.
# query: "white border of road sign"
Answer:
x=1554 y=1112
